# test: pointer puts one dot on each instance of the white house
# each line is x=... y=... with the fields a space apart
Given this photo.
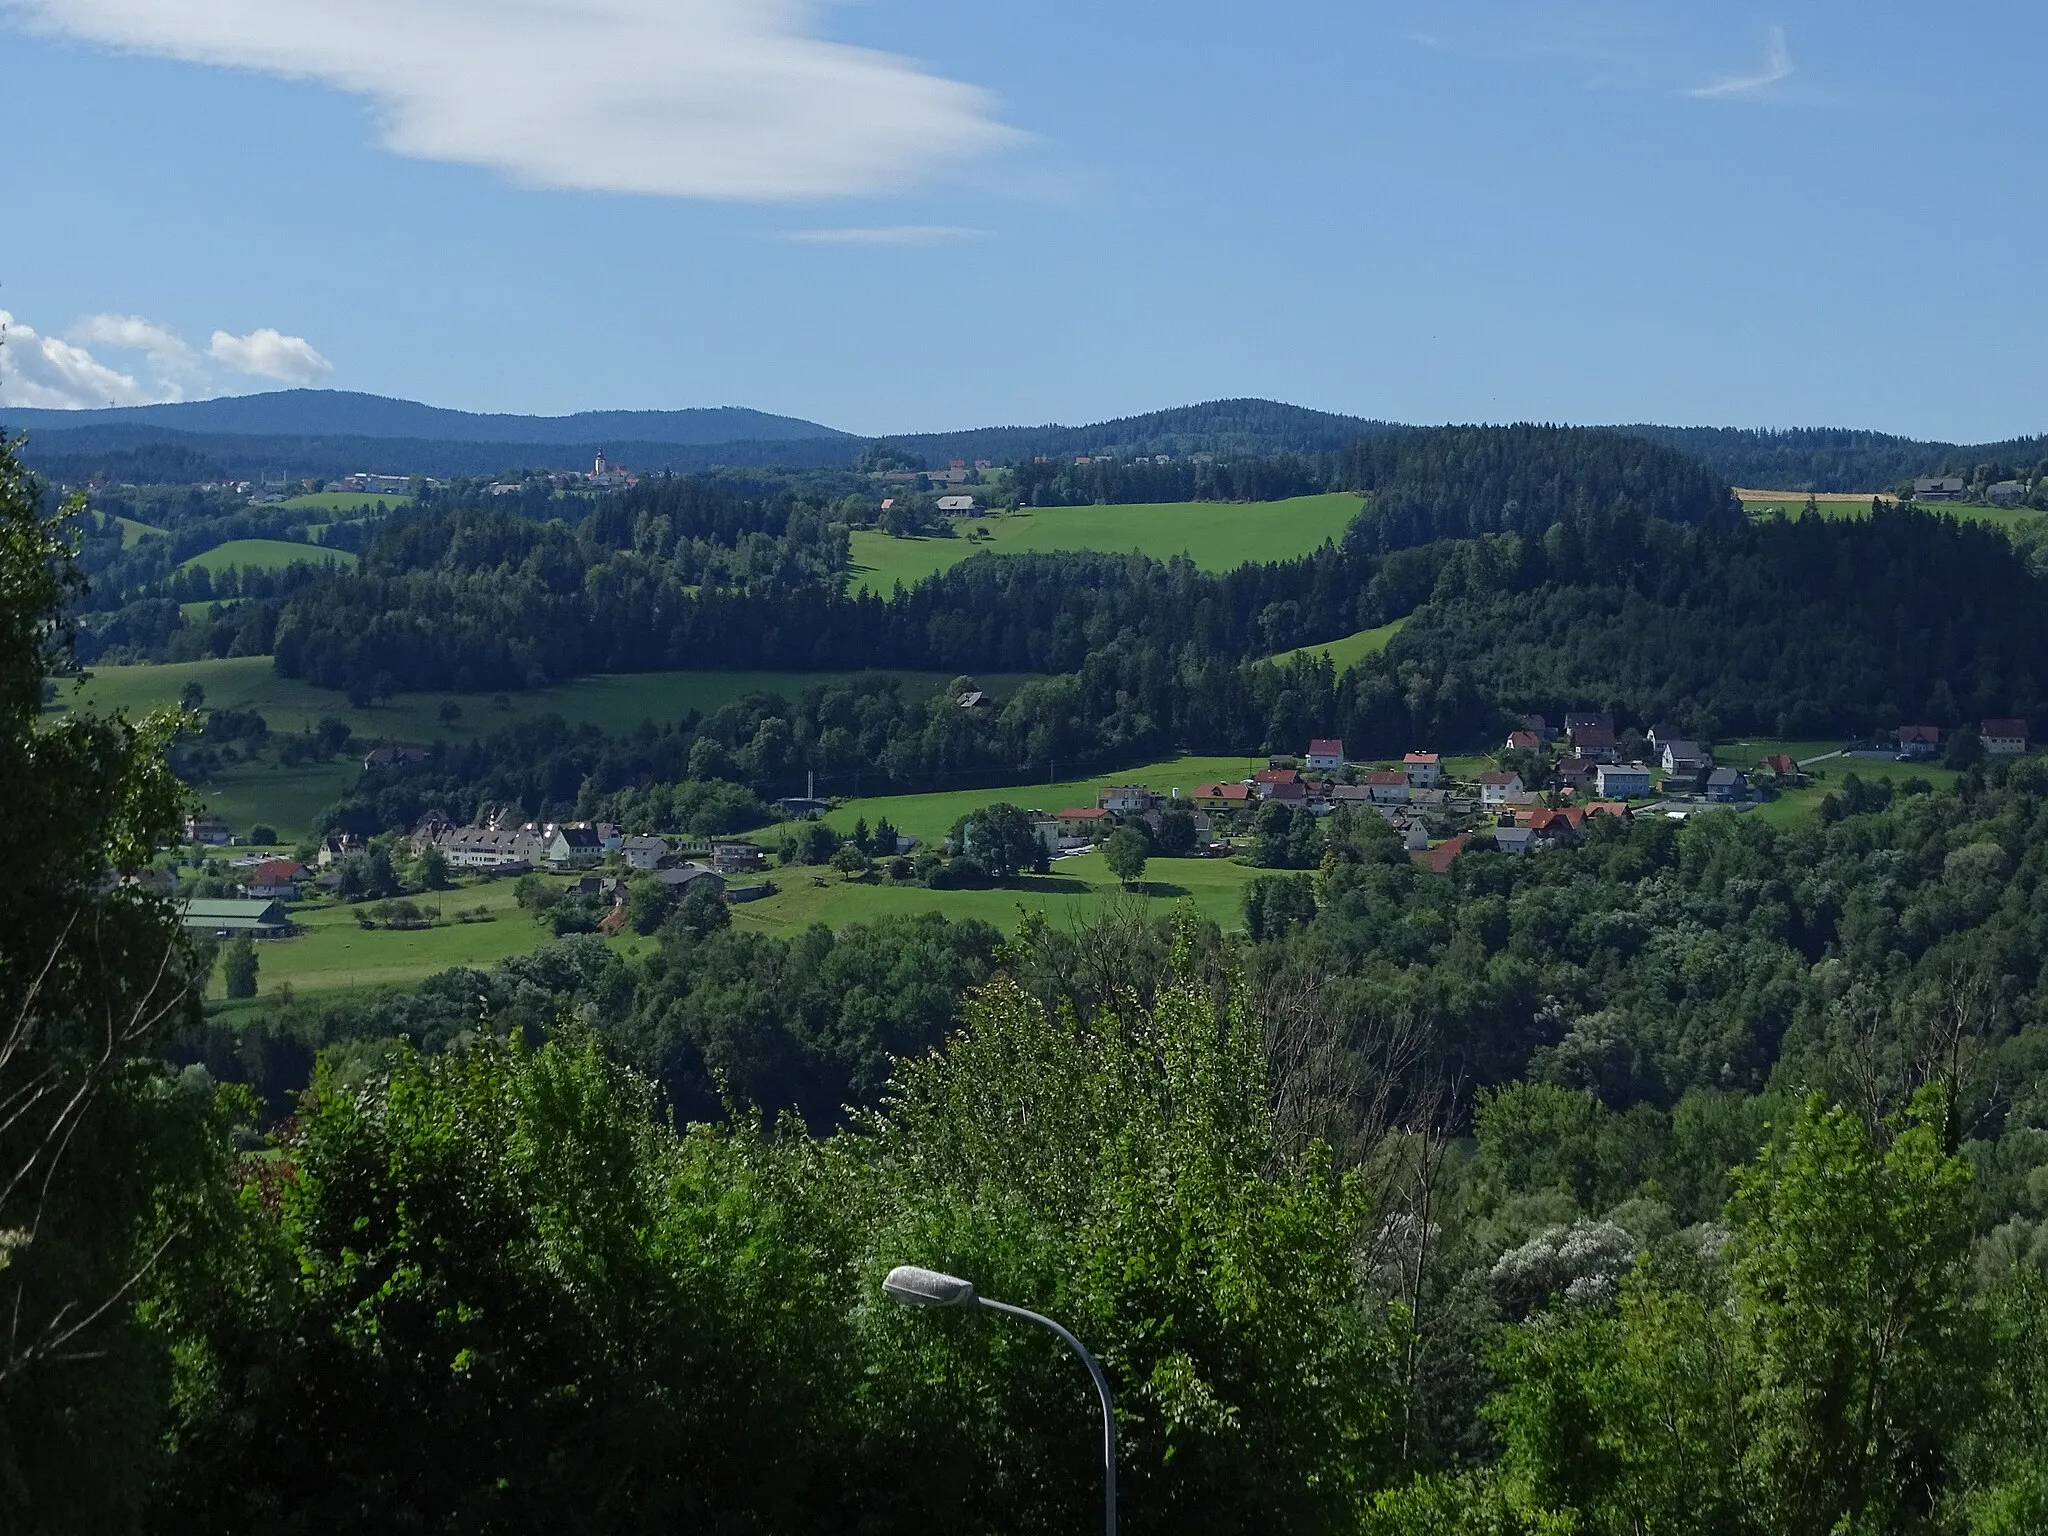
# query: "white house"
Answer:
x=1622 y=781
x=1325 y=755
x=1499 y=788
x=958 y=506
x=574 y=847
x=644 y=852
x=1128 y=799
x=2004 y=738
x=1423 y=768
x=1683 y=759
x=1388 y=787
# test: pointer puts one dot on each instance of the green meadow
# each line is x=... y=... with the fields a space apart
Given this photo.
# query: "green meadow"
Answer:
x=1791 y=504
x=1348 y=652
x=267 y=555
x=1216 y=535
x=1077 y=888
x=133 y=533
x=353 y=502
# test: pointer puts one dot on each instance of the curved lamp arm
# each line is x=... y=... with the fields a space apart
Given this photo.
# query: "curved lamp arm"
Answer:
x=915 y=1287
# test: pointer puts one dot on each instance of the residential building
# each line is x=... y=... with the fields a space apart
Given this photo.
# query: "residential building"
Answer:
x=1592 y=737
x=574 y=847
x=1554 y=828
x=609 y=838
x=488 y=847
x=1523 y=741
x=1267 y=779
x=683 y=876
x=1616 y=808
x=1495 y=788
x=1325 y=755
x=1576 y=773
x=337 y=847
x=1437 y=860
x=1387 y=787
x=275 y=880
x=230 y=918
x=1626 y=781
x=644 y=852
x=1662 y=735
x=1513 y=839
x=207 y=829
x=394 y=757
x=1684 y=759
x=1780 y=767
x=1938 y=488
x=430 y=831
x=959 y=506
x=1727 y=784
x=1292 y=793
x=976 y=702
x=1415 y=837
x=1222 y=797
x=740 y=858
x=1919 y=740
x=1128 y=799
x=1424 y=769
x=2006 y=493
x=2004 y=738
x=1083 y=823
x=803 y=807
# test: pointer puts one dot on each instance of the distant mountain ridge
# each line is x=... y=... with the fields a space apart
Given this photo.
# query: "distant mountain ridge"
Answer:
x=328 y=432
x=345 y=413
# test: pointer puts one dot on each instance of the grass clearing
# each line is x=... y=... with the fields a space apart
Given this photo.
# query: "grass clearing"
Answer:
x=243 y=794
x=267 y=555
x=1078 y=888
x=931 y=816
x=1351 y=650
x=1216 y=535
x=615 y=702
x=1794 y=807
x=1762 y=504
x=133 y=533
x=334 y=952
x=356 y=503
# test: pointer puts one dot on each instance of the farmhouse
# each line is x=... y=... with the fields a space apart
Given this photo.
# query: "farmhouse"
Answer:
x=394 y=757
x=958 y=506
x=1621 y=782
x=230 y=918
x=2004 y=738
x=1325 y=755
x=207 y=829
x=2006 y=493
x=685 y=877
x=1919 y=740
x=1592 y=736
x=1423 y=768
x=739 y=858
x=275 y=880
x=1523 y=741
x=1938 y=488
x=1780 y=767
x=1684 y=759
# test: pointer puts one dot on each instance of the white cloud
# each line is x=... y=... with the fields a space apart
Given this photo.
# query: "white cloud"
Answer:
x=62 y=373
x=691 y=98
x=1776 y=66
x=887 y=234
x=269 y=354
x=48 y=371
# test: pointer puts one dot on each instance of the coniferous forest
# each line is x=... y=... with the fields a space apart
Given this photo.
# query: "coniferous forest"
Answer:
x=1691 y=1179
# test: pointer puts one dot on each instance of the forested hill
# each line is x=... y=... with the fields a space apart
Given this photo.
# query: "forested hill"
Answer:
x=1233 y=428
x=1834 y=458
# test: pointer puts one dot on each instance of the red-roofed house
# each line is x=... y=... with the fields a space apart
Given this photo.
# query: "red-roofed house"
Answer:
x=1325 y=755
x=1387 y=787
x=1437 y=860
x=1085 y=822
x=2005 y=738
x=1423 y=768
x=275 y=880
x=1222 y=797
x=1267 y=779
x=1523 y=741
x=1610 y=808
x=1498 y=788
x=1555 y=826
x=1781 y=767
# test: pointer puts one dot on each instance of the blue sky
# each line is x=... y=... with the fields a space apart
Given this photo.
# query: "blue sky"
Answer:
x=903 y=215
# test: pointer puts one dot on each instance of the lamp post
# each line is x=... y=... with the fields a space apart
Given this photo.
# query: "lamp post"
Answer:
x=914 y=1287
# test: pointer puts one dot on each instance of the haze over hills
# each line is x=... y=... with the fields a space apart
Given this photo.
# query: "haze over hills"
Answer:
x=311 y=432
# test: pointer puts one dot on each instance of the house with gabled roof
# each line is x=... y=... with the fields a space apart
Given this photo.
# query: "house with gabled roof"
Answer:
x=2004 y=738
x=1325 y=755
x=1423 y=768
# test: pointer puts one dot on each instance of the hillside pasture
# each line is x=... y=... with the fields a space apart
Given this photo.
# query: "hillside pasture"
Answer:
x=267 y=555
x=1348 y=652
x=354 y=503
x=1216 y=535
x=1762 y=504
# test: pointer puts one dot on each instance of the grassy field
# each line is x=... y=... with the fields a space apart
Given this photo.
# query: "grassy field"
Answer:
x=133 y=533
x=1077 y=888
x=347 y=501
x=931 y=816
x=1793 y=806
x=205 y=606
x=335 y=952
x=267 y=555
x=1217 y=535
x=615 y=702
x=1351 y=650
x=243 y=794
x=1762 y=504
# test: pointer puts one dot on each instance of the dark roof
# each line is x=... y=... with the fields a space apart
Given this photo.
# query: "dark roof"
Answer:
x=578 y=837
x=2005 y=728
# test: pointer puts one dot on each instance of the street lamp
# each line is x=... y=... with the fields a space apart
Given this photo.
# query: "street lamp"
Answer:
x=914 y=1287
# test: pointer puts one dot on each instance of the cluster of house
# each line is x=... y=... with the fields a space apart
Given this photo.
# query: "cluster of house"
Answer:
x=2004 y=493
x=504 y=845
x=2001 y=738
x=372 y=485
x=1590 y=762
